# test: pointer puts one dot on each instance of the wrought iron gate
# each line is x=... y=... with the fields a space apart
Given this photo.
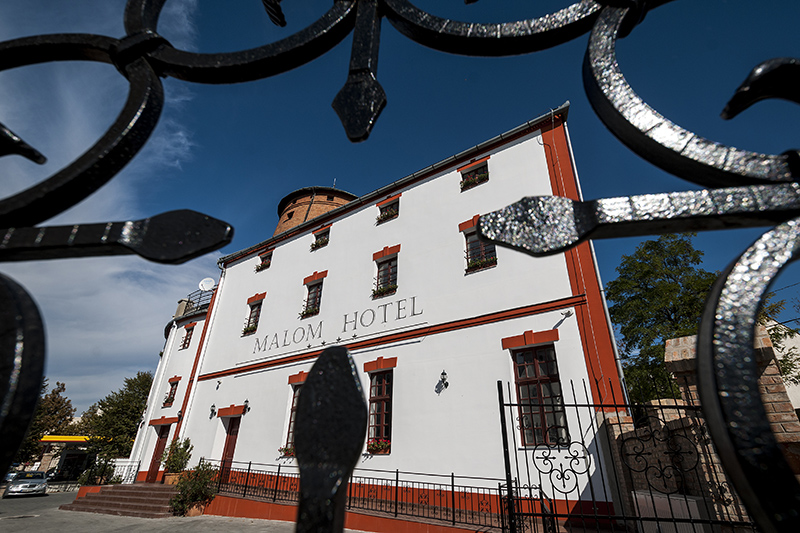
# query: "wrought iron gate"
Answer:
x=648 y=468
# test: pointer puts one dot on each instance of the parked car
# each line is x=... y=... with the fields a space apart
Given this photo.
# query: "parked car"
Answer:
x=10 y=476
x=27 y=483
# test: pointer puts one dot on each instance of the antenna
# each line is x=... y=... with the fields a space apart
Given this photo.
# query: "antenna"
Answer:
x=206 y=284
x=334 y=183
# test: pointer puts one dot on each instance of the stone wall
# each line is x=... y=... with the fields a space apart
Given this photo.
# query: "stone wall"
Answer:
x=679 y=357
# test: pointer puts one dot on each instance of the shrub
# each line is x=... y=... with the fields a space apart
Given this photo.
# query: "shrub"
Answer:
x=177 y=456
x=195 y=486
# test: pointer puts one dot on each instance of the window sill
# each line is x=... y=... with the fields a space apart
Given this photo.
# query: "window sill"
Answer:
x=166 y=404
x=479 y=268
x=381 y=293
x=381 y=220
x=262 y=266
x=247 y=333
x=467 y=185
x=384 y=452
x=306 y=314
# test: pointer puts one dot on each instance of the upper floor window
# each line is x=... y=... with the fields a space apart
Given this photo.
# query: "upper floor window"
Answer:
x=313 y=285
x=386 y=280
x=251 y=324
x=265 y=261
x=187 y=338
x=379 y=436
x=541 y=403
x=479 y=254
x=388 y=209
x=474 y=174
x=313 y=300
x=173 y=389
x=321 y=238
x=253 y=314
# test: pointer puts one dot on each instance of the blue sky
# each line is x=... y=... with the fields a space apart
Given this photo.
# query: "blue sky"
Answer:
x=232 y=151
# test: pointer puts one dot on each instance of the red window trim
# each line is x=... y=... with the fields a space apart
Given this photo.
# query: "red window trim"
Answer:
x=233 y=410
x=256 y=298
x=300 y=377
x=190 y=325
x=323 y=228
x=380 y=364
x=530 y=338
x=389 y=200
x=316 y=276
x=468 y=224
x=387 y=251
x=473 y=164
x=163 y=421
x=266 y=252
x=174 y=379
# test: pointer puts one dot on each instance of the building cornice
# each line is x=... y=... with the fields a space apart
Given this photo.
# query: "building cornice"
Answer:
x=554 y=117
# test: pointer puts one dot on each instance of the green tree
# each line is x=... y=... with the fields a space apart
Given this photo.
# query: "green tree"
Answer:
x=786 y=353
x=113 y=421
x=53 y=416
x=658 y=295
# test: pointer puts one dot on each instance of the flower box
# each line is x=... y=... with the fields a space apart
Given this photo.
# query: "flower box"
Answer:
x=387 y=215
x=480 y=264
x=379 y=447
x=383 y=291
x=474 y=180
x=309 y=311
x=263 y=266
x=286 y=451
x=249 y=330
x=319 y=243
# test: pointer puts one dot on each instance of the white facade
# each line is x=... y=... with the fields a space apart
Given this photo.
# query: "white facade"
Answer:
x=440 y=318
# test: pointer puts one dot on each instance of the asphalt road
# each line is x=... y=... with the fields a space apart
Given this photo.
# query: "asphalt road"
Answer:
x=40 y=513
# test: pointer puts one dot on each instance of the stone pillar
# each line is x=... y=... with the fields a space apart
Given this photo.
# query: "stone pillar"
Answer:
x=679 y=357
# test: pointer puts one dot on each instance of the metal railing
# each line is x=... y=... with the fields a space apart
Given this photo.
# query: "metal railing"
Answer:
x=440 y=497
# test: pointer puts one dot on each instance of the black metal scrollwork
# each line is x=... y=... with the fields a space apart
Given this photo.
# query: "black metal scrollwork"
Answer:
x=563 y=464
x=760 y=190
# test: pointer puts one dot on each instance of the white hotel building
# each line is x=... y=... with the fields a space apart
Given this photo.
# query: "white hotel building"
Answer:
x=398 y=277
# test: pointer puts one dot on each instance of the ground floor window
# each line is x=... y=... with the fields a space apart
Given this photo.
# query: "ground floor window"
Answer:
x=541 y=403
x=380 y=412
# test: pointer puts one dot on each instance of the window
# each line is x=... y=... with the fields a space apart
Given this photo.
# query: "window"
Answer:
x=266 y=261
x=321 y=238
x=472 y=176
x=480 y=254
x=386 y=281
x=313 y=300
x=288 y=450
x=541 y=404
x=187 y=338
x=388 y=211
x=170 y=398
x=379 y=437
x=251 y=324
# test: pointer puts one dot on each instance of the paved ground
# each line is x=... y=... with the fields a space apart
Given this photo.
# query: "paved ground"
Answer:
x=40 y=513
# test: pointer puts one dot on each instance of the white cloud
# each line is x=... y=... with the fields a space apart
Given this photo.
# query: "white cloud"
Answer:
x=104 y=317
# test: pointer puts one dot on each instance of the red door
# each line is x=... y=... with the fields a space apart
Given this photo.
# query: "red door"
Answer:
x=230 y=446
x=155 y=462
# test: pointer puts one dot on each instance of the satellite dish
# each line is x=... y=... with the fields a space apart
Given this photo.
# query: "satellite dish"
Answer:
x=207 y=284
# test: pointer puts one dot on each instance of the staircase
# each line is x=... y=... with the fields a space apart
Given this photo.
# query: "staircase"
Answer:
x=143 y=500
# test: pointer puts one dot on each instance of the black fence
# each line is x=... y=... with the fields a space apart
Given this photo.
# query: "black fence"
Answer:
x=438 y=497
x=648 y=468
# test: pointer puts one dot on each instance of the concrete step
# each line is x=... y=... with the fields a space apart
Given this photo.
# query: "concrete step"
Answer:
x=142 y=500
